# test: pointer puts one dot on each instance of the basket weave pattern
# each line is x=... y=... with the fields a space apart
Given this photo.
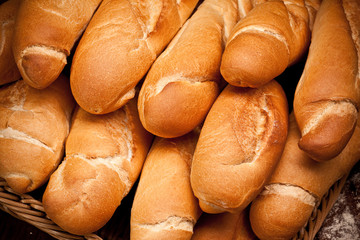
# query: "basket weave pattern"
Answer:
x=320 y=212
x=30 y=210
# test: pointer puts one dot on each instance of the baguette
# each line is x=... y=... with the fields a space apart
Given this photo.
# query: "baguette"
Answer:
x=297 y=186
x=185 y=79
x=164 y=206
x=45 y=32
x=121 y=42
x=8 y=69
x=104 y=156
x=224 y=226
x=327 y=97
x=239 y=145
x=33 y=127
x=271 y=37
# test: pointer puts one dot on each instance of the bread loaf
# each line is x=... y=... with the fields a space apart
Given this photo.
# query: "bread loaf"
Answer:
x=121 y=42
x=240 y=143
x=224 y=226
x=184 y=81
x=104 y=156
x=164 y=206
x=45 y=32
x=8 y=69
x=297 y=186
x=33 y=127
x=327 y=97
x=272 y=36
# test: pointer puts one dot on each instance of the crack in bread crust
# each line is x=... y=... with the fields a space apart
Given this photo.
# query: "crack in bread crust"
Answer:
x=262 y=30
x=114 y=163
x=257 y=128
x=45 y=50
x=170 y=223
x=332 y=107
x=292 y=191
x=10 y=133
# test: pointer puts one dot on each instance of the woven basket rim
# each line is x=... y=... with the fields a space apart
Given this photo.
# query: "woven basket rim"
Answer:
x=320 y=211
x=28 y=209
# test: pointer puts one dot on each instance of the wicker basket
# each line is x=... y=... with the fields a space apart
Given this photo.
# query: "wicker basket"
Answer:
x=319 y=214
x=27 y=208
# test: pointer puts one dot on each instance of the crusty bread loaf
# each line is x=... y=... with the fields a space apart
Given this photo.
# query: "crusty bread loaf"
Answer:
x=296 y=187
x=104 y=156
x=117 y=49
x=272 y=36
x=33 y=127
x=8 y=69
x=184 y=81
x=327 y=97
x=224 y=226
x=45 y=32
x=239 y=145
x=164 y=206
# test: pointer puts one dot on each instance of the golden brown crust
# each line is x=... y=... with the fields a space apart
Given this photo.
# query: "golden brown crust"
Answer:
x=8 y=69
x=45 y=32
x=164 y=206
x=104 y=157
x=327 y=97
x=272 y=36
x=118 y=47
x=240 y=143
x=267 y=224
x=184 y=80
x=33 y=127
x=297 y=185
x=225 y=226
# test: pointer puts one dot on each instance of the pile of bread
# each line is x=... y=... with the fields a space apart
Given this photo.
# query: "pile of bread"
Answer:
x=181 y=96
